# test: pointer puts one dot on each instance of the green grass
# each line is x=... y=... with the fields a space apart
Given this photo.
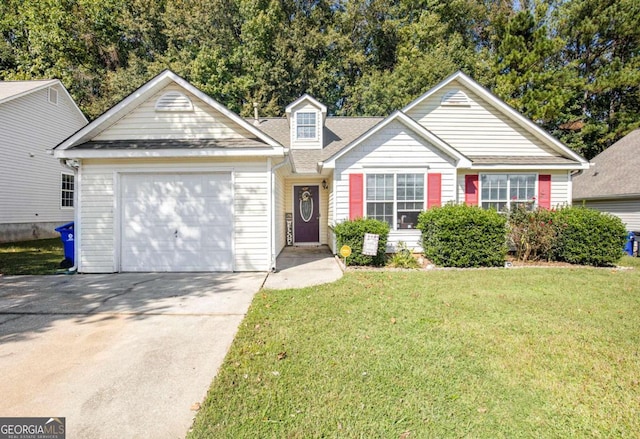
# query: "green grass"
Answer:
x=42 y=256
x=519 y=353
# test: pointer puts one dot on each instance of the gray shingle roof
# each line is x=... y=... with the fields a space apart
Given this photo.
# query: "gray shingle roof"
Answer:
x=10 y=89
x=521 y=160
x=338 y=133
x=172 y=144
x=616 y=172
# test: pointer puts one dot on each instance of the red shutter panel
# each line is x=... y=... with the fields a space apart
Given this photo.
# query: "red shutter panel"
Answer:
x=471 y=189
x=356 y=196
x=434 y=190
x=544 y=191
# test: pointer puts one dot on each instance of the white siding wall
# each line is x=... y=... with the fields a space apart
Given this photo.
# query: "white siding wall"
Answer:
x=279 y=211
x=144 y=122
x=477 y=129
x=29 y=176
x=251 y=218
x=560 y=185
x=324 y=200
x=100 y=216
x=627 y=210
x=394 y=149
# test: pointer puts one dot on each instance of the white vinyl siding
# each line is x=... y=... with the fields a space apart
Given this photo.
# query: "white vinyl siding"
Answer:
x=29 y=175
x=144 y=122
x=627 y=210
x=476 y=129
x=394 y=149
x=100 y=231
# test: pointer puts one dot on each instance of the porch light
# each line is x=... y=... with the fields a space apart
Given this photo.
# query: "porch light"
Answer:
x=324 y=184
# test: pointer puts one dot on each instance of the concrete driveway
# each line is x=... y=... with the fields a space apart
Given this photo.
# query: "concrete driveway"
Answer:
x=118 y=355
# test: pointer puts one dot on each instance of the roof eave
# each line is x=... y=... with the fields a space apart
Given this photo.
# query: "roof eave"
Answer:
x=169 y=153
x=531 y=167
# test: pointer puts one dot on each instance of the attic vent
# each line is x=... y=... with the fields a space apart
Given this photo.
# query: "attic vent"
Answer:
x=53 y=96
x=455 y=97
x=174 y=101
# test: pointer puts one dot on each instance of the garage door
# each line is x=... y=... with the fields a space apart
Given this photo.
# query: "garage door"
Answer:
x=176 y=222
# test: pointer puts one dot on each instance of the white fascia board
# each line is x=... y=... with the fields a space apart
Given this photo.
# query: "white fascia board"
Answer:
x=127 y=104
x=502 y=107
x=427 y=135
x=174 y=153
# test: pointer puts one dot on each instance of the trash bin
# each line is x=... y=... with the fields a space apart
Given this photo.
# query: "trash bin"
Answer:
x=66 y=235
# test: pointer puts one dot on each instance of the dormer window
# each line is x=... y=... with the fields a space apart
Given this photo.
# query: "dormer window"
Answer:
x=306 y=125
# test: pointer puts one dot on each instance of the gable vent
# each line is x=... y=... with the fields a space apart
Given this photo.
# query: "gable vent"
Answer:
x=174 y=101
x=455 y=97
x=53 y=96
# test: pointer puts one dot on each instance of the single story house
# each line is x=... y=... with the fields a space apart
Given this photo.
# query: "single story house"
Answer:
x=36 y=191
x=612 y=184
x=171 y=180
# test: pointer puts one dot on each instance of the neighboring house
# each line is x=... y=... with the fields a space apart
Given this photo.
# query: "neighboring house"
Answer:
x=171 y=180
x=36 y=191
x=612 y=184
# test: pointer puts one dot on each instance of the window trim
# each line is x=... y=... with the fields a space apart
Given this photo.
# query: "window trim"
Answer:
x=509 y=200
x=314 y=125
x=64 y=191
x=395 y=174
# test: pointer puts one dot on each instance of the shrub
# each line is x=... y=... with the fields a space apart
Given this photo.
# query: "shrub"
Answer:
x=352 y=232
x=531 y=233
x=457 y=235
x=588 y=237
x=403 y=258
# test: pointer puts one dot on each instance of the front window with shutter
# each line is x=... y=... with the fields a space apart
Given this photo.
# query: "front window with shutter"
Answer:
x=503 y=191
x=396 y=199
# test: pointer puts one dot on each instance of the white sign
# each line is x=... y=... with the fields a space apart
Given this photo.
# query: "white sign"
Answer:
x=370 y=244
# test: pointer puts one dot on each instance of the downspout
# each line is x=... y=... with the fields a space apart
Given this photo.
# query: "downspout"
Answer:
x=72 y=165
x=272 y=182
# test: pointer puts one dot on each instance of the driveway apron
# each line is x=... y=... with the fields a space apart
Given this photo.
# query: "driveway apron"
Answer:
x=118 y=355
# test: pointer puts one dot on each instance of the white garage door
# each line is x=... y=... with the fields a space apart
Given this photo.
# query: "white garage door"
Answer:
x=176 y=222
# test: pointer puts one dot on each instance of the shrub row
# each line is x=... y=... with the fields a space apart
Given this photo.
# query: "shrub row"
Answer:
x=468 y=236
x=457 y=235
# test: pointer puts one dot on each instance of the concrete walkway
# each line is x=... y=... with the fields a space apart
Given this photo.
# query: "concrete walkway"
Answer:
x=299 y=267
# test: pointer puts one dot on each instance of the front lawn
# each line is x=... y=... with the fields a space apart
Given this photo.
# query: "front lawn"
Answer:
x=42 y=256
x=502 y=353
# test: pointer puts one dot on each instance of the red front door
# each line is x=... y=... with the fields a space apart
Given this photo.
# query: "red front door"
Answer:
x=306 y=216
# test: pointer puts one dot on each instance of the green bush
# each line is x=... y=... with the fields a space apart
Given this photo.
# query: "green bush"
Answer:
x=531 y=233
x=588 y=237
x=403 y=257
x=352 y=232
x=457 y=235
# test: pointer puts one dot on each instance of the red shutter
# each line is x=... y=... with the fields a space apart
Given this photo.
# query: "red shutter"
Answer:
x=471 y=189
x=544 y=191
x=356 y=196
x=434 y=190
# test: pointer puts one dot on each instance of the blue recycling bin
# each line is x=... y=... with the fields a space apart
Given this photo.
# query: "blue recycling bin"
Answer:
x=67 y=237
x=628 y=246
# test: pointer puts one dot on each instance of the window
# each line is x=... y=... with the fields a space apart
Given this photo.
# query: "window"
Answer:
x=502 y=191
x=396 y=199
x=67 y=188
x=306 y=125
